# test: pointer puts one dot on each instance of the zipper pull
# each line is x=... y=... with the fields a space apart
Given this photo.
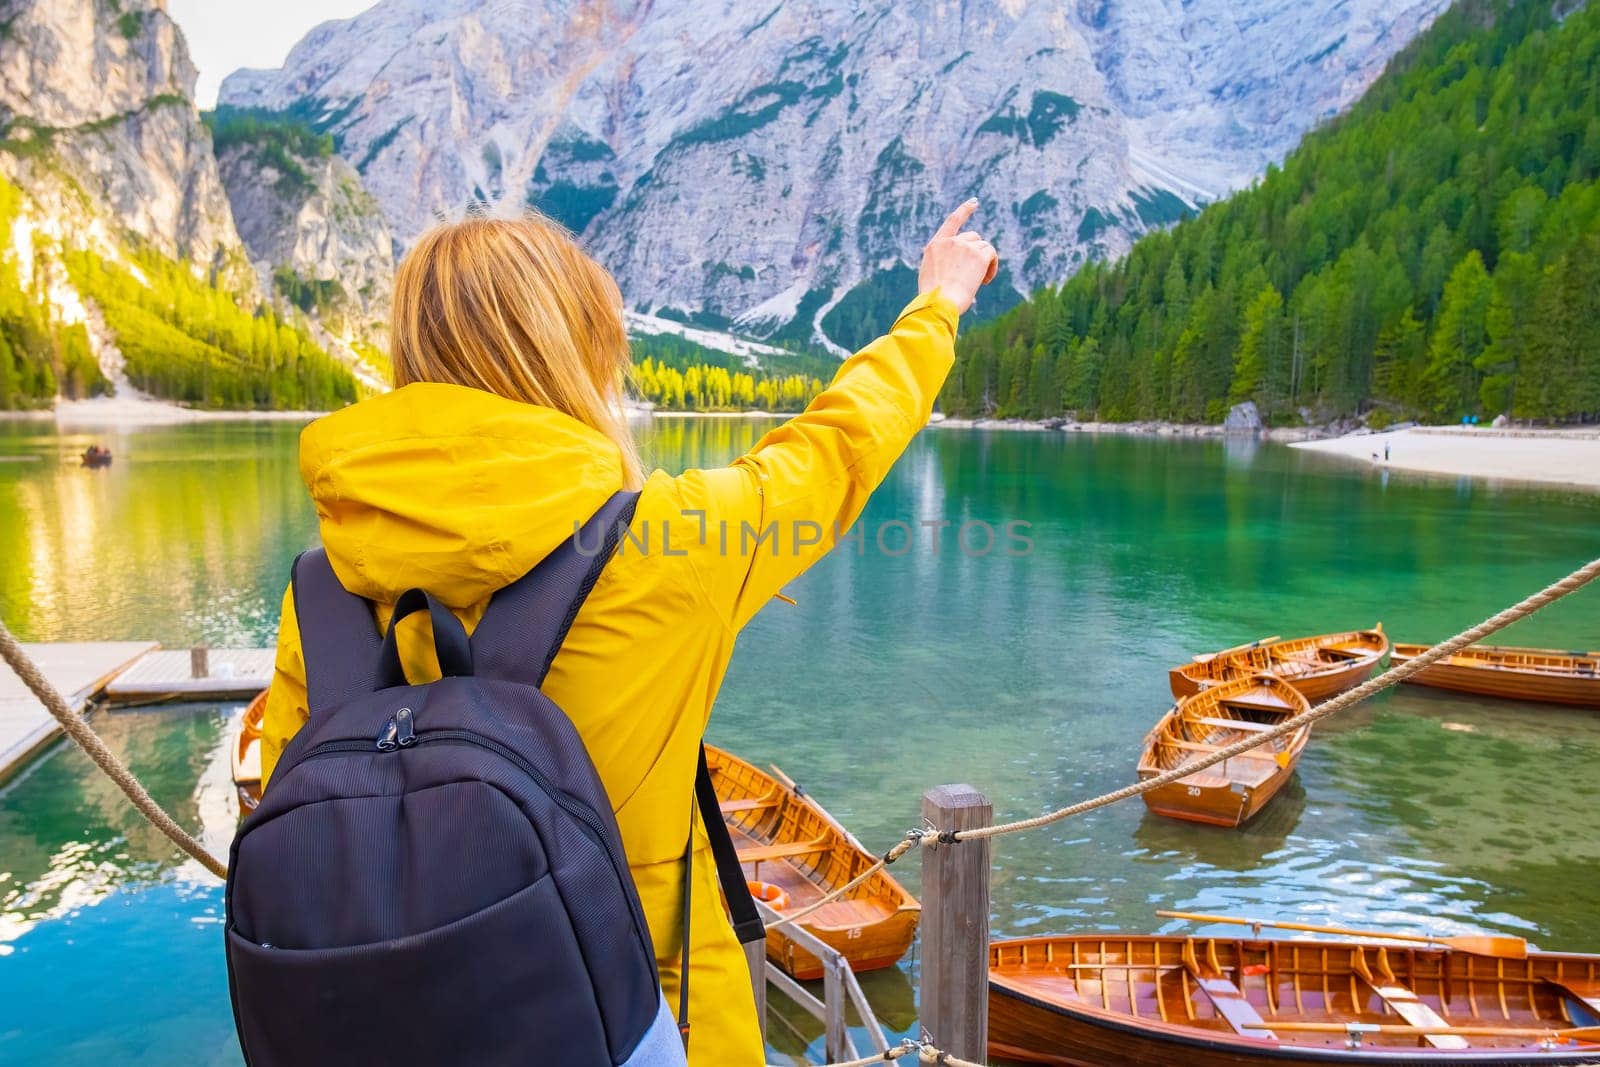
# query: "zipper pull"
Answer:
x=386 y=741
x=403 y=722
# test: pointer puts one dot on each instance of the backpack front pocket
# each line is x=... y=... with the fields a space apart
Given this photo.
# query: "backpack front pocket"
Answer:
x=500 y=984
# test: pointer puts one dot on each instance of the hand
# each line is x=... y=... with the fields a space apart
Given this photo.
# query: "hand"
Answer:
x=958 y=263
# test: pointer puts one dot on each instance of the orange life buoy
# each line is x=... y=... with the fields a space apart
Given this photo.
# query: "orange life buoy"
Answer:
x=770 y=895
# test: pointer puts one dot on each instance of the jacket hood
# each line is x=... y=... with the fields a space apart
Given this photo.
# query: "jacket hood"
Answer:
x=452 y=489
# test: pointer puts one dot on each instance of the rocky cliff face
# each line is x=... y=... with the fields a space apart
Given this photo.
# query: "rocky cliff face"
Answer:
x=765 y=163
x=317 y=239
x=101 y=132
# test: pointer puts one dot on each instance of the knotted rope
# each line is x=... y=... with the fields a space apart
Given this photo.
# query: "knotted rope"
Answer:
x=925 y=1053
x=83 y=734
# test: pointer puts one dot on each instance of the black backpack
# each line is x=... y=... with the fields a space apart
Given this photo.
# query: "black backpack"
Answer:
x=436 y=875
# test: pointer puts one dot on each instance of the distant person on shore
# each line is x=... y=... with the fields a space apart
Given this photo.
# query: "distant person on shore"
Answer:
x=505 y=433
x=1386 y=451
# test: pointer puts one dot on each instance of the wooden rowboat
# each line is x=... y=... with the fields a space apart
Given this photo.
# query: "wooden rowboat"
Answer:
x=786 y=839
x=1320 y=667
x=1143 y=1001
x=1220 y=715
x=1537 y=674
x=246 y=754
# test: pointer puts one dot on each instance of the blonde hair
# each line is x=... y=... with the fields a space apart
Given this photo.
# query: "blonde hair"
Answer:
x=512 y=306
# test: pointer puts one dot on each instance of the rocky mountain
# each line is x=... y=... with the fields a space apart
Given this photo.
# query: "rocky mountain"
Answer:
x=120 y=262
x=101 y=131
x=116 y=176
x=317 y=239
x=777 y=165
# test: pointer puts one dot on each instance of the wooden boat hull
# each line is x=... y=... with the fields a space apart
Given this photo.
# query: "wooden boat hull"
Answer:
x=1221 y=804
x=245 y=754
x=767 y=815
x=1538 y=675
x=1234 y=791
x=1351 y=658
x=1316 y=690
x=1072 y=1012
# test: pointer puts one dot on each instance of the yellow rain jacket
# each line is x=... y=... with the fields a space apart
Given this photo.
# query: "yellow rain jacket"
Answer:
x=461 y=492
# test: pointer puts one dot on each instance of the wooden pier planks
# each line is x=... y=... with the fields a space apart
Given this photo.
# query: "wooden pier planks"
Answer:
x=225 y=674
x=127 y=672
x=78 y=671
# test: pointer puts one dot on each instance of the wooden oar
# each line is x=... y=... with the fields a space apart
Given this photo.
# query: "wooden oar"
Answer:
x=1257 y=643
x=1491 y=945
x=1585 y=1034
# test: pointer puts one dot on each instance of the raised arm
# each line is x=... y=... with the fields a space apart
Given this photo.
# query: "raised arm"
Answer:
x=779 y=508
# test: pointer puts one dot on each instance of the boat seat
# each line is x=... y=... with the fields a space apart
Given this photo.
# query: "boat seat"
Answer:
x=1404 y=1003
x=786 y=850
x=1235 y=724
x=1192 y=746
x=735 y=807
x=1264 y=702
x=1232 y=1005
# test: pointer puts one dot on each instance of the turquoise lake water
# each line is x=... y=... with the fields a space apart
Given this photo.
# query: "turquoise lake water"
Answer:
x=1033 y=678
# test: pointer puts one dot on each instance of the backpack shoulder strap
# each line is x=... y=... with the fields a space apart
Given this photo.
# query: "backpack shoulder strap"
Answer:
x=747 y=924
x=525 y=623
x=339 y=639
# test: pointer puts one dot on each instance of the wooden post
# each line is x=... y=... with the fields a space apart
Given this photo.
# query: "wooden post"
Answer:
x=836 y=1032
x=199 y=662
x=755 y=957
x=955 y=925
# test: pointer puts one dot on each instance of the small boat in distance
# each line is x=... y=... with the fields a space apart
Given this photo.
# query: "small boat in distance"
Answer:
x=1119 y=1000
x=96 y=456
x=792 y=851
x=1538 y=674
x=786 y=840
x=1220 y=715
x=246 y=754
x=1319 y=667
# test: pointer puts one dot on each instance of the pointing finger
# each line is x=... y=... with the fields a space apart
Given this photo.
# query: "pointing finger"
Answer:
x=958 y=218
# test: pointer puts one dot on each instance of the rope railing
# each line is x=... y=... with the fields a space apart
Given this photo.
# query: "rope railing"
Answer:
x=82 y=734
x=925 y=1053
x=932 y=837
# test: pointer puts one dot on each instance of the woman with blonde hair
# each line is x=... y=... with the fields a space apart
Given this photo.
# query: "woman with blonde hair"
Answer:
x=505 y=431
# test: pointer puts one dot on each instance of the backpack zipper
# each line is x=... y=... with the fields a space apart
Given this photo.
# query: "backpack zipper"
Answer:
x=392 y=737
x=404 y=723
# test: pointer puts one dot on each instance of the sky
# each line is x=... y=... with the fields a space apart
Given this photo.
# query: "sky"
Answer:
x=225 y=35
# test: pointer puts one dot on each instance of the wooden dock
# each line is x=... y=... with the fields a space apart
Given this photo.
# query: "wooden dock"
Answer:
x=193 y=674
x=123 y=671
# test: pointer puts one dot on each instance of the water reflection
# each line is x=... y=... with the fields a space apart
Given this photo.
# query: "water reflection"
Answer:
x=184 y=538
x=1033 y=678
x=69 y=837
x=1248 y=848
x=1241 y=449
x=796 y=1036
